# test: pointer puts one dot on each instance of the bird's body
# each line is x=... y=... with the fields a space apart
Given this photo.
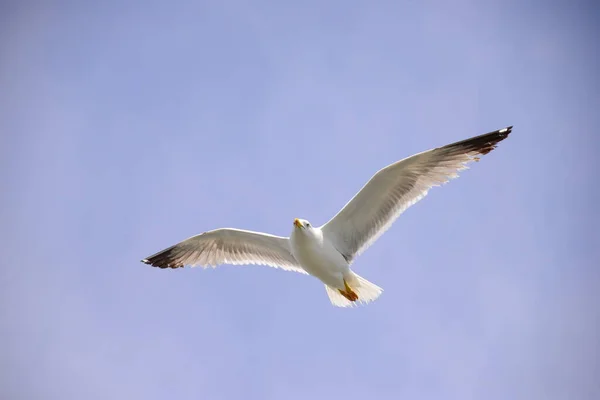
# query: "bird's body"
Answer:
x=327 y=252
x=317 y=256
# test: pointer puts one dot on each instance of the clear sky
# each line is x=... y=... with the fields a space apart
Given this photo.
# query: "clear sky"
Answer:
x=128 y=126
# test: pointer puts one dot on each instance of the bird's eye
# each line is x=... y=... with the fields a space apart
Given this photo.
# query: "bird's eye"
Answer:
x=307 y=225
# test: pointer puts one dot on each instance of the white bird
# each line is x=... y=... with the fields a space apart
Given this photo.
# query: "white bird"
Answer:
x=327 y=252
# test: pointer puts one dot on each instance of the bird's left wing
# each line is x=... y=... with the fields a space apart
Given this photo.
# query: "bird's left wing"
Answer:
x=398 y=186
x=228 y=246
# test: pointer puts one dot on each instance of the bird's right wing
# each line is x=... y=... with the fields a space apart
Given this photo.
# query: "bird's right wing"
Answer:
x=398 y=186
x=228 y=246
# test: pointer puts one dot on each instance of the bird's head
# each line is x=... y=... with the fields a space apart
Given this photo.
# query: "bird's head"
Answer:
x=302 y=224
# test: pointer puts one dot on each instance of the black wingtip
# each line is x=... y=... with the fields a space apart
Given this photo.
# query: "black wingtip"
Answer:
x=164 y=259
x=481 y=144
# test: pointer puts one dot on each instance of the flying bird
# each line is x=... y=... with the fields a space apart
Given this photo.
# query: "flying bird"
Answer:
x=327 y=252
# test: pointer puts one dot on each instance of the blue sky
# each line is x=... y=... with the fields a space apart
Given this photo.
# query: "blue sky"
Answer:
x=128 y=127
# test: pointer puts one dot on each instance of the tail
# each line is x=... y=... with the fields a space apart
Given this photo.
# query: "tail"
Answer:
x=365 y=290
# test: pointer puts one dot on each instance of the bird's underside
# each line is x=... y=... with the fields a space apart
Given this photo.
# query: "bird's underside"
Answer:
x=351 y=231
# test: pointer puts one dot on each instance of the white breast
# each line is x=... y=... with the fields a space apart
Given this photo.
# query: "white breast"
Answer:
x=318 y=256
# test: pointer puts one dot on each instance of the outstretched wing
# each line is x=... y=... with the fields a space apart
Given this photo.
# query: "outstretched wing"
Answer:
x=228 y=246
x=398 y=186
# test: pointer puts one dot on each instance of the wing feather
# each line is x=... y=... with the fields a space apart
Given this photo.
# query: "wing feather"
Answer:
x=398 y=186
x=228 y=246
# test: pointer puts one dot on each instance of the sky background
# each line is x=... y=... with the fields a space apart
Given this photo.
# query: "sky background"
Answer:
x=129 y=126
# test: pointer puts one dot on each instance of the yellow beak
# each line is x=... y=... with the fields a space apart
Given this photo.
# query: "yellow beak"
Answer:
x=297 y=223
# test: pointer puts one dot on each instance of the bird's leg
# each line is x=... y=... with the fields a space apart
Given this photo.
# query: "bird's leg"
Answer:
x=348 y=293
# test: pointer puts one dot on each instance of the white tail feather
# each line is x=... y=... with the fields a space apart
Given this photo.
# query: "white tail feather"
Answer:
x=365 y=290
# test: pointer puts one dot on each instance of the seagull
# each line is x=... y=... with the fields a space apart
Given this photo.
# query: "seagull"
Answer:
x=327 y=252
